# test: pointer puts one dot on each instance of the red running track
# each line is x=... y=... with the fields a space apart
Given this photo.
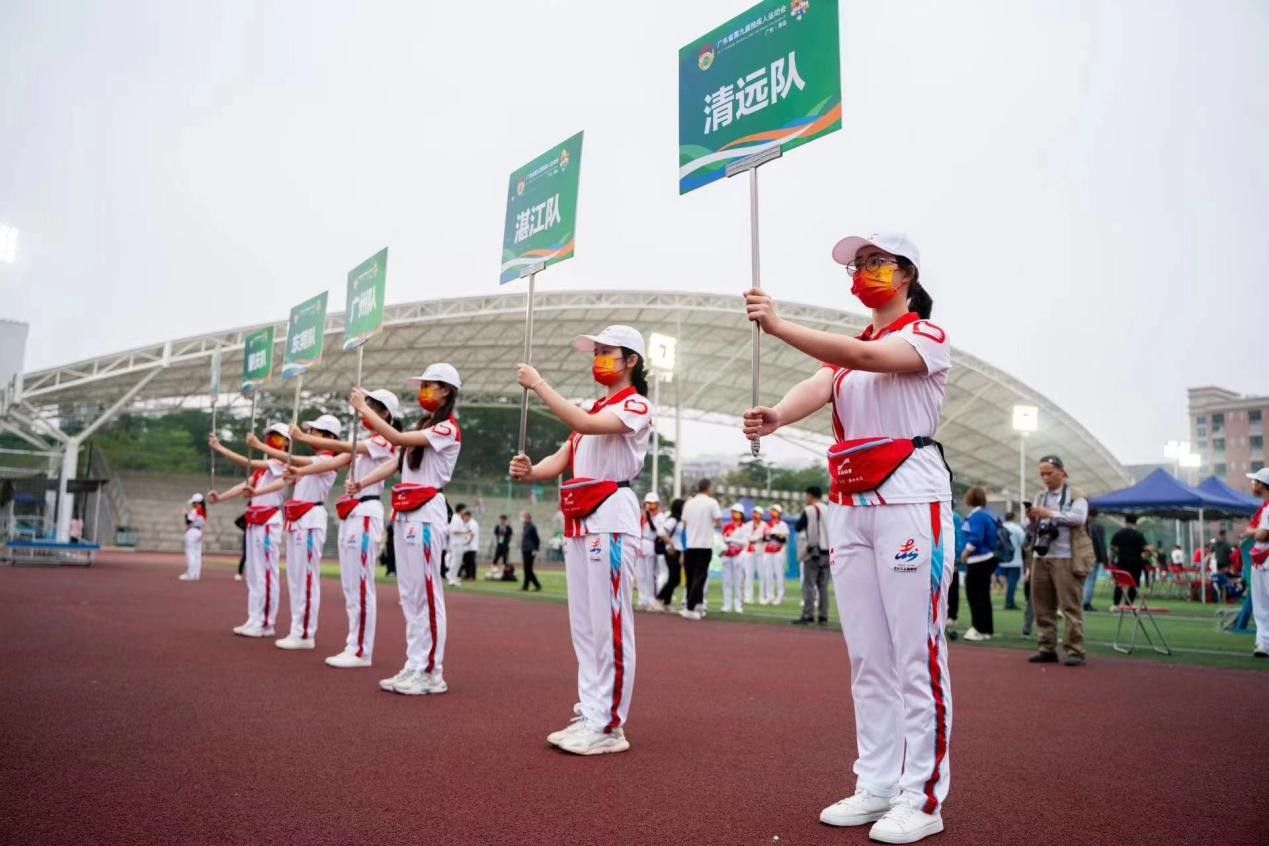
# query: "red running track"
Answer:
x=130 y=714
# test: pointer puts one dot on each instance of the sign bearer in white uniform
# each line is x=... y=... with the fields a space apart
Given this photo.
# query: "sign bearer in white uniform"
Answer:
x=889 y=527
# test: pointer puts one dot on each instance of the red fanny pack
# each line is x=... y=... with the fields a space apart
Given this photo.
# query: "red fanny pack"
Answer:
x=258 y=515
x=295 y=509
x=866 y=463
x=408 y=497
x=580 y=497
x=346 y=505
x=1259 y=557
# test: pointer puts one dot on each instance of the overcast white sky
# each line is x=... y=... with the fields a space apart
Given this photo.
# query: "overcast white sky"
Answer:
x=1086 y=180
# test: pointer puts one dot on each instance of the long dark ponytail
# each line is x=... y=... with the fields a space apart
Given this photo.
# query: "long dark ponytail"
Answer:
x=919 y=299
x=414 y=455
x=639 y=373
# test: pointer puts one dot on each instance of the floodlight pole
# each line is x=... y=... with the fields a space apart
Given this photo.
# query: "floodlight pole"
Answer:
x=532 y=271
x=751 y=164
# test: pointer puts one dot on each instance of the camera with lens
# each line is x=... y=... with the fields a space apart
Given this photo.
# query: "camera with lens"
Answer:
x=1045 y=532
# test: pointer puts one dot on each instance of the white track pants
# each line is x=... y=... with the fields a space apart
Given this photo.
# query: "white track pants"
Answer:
x=599 y=568
x=359 y=537
x=193 y=553
x=1260 y=605
x=777 y=561
x=766 y=578
x=891 y=565
x=303 y=578
x=261 y=572
x=750 y=574
x=734 y=581
x=646 y=577
x=418 y=547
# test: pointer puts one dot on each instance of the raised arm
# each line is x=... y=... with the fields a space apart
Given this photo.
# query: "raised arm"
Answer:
x=570 y=415
x=236 y=491
x=240 y=460
x=280 y=455
x=383 y=471
x=524 y=470
x=889 y=355
x=318 y=442
x=801 y=401
x=413 y=437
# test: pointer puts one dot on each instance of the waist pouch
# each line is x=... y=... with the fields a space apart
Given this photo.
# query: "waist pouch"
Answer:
x=294 y=509
x=866 y=463
x=345 y=505
x=579 y=497
x=258 y=515
x=407 y=496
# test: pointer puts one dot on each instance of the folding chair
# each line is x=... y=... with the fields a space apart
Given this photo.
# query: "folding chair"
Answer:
x=1138 y=609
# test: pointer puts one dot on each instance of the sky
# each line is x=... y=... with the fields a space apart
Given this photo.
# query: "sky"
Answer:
x=1086 y=180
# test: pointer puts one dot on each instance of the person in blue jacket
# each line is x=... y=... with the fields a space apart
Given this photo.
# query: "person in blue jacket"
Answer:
x=954 y=589
x=979 y=556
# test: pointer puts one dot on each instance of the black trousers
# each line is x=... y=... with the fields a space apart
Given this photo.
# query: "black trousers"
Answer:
x=501 y=552
x=468 y=570
x=673 y=563
x=696 y=563
x=1136 y=570
x=954 y=596
x=529 y=577
x=978 y=593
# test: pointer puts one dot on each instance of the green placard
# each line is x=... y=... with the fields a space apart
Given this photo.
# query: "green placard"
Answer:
x=541 y=222
x=304 y=335
x=770 y=76
x=363 y=312
x=257 y=358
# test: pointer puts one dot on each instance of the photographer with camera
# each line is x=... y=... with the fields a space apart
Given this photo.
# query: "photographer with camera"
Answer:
x=1062 y=556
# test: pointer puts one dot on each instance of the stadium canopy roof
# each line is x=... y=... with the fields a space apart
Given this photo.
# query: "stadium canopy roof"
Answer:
x=484 y=336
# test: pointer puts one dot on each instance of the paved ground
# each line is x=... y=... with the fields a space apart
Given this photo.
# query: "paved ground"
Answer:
x=130 y=714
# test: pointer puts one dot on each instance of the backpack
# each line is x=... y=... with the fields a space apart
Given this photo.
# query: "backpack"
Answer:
x=1004 y=543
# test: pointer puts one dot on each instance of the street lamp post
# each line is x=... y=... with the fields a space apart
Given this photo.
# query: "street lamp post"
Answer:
x=1026 y=419
x=661 y=361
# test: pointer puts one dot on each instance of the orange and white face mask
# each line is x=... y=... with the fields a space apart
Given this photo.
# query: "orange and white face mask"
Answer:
x=430 y=398
x=605 y=370
x=276 y=441
x=874 y=288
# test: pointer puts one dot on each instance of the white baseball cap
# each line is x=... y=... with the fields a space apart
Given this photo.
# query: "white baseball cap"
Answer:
x=196 y=498
x=279 y=429
x=776 y=508
x=1261 y=476
x=442 y=372
x=757 y=511
x=616 y=335
x=651 y=496
x=328 y=423
x=388 y=399
x=895 y=243
x=737 y=508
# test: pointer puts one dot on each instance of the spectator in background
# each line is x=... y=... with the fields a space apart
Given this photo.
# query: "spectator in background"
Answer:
x=530 y=543
x=1222 y=550
x=812 y=527
x=979 y=556
x=453 y=558
x=1178 y=556
x=701 y=518
x=76 y=531
x=672 y=534
x=1062 y=557
x=1258 y=531
x=471 y=544
x=1097 y=533
x=1129 y=547
x=1013 y=567
x=502 y=541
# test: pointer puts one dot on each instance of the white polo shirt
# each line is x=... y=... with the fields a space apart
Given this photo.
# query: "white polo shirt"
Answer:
x=436 y=468
x=616 y=458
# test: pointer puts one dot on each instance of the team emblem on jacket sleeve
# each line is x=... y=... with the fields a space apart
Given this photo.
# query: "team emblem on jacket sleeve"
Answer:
x=637 y=406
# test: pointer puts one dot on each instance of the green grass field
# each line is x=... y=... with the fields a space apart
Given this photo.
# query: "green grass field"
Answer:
x=1190 y=628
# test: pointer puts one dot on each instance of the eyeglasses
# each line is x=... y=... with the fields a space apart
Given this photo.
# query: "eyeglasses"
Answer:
x=871 y=264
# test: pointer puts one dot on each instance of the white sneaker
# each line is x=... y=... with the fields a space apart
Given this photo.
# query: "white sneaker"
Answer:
x=860 y=809
x=975 y=635
x=726 y=609
x=587 y=742
x=577 y=724
x=237 y=577
x=657 y=606
x=185 y=577
x=389 y=684
x=690 y=615
x=253 y=631
x=290 y=642
x=238 y=629
x=905 y=824
x=417 y=683
x=347 y=660
x=740 y=609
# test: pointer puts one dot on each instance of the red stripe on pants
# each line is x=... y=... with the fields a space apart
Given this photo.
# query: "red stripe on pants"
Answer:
x=308 y=579
x=431 y=621
x=936 y=673
x=619 y=669
x=361 y=625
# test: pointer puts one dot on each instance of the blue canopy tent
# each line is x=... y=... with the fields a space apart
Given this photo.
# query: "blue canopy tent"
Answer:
x=1163 y=495
x=1216 y=487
